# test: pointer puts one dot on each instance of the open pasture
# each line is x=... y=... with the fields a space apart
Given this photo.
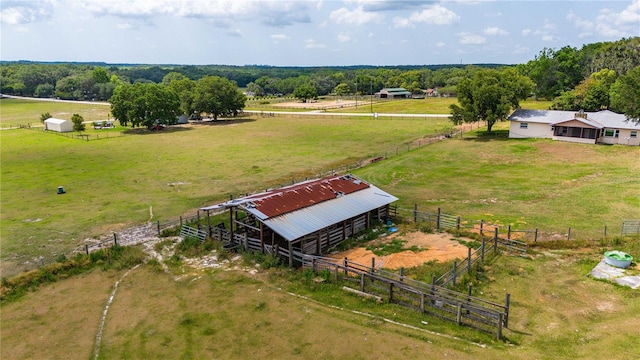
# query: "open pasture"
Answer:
x=235 y=315
x=528 y=183
x=115 y=183
x=14 y=112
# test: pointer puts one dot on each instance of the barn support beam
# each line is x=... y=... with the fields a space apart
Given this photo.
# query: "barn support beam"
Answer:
x=262 y=237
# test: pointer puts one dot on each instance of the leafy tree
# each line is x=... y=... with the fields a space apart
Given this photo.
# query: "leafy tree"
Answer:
x=625 y=95
x=591 y=94
x=77 y=121
x=45 y=116
x=44 y=90
x=489 y=95
x=184 y=87
x=144 y=104
x=218 y=96
x=342 y=89
x=100 y=75
x=305 y=92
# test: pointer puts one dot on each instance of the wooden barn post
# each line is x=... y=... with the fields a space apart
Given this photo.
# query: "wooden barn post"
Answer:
x=208 y=223
x=290 y=254
x=261 y=237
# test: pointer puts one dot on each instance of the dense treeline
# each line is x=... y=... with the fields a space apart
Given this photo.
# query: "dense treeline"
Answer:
x=575 y=78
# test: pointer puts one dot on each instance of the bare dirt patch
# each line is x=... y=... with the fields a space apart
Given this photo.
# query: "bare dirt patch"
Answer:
x=334 y=104
x=437 y=247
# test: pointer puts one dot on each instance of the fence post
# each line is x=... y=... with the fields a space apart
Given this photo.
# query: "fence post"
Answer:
x=569 y=234
x=198 y=213
x=86 y=249
x=313 y=265
x=535 y=238
x=507 y=304
x=390 y=292
x=402 y=274
x=458 y=220
x=415 y=213
x=469 y=260
x=158 y=227
x=115 y=239
x=459 y=314
x=455 y=272
x=481 y=227
x=605 y=232
x=495 y=239
x=373 y=264
x=345 y=266
x=438 y=220
x=362 y=282
x=499 y=332
x=482 y=252
x=509 y=232
x=180 y=220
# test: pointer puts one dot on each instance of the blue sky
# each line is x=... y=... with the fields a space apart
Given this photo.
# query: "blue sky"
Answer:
x=306 y=33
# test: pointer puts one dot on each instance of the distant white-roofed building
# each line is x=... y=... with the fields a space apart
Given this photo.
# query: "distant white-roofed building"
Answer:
x=58 y=125
x=602 y=127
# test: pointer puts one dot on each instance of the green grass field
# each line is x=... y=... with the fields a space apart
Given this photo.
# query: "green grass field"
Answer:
x=557 y=311
x=14 y=112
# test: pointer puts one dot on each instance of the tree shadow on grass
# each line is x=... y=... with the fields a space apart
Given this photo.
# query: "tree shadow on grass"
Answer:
x=222 y=122
x=485 y=136
x=166 y=129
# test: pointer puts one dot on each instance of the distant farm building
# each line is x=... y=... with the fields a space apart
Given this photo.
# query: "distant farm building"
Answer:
x=393 y=93
x=310 y=217
x=602 y=127
x=58 y=125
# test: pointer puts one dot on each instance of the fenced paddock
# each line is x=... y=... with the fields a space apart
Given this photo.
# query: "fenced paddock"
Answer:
x=461 y=308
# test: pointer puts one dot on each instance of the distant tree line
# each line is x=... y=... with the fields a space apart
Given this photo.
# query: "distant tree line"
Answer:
x=598 y=76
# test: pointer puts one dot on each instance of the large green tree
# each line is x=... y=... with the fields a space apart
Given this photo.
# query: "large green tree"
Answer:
x=625 y=95
x=145 y=104
x=489 y=95
x=304 y=92
x=218 y=97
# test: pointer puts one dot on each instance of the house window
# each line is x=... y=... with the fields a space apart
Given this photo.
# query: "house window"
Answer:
x=611 y=133
x=524 y=125
x=634 y=134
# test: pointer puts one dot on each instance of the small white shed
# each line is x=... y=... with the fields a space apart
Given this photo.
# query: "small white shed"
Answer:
x=58 y=125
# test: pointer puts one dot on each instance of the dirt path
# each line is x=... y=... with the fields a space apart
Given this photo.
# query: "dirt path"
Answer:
x=438 y=247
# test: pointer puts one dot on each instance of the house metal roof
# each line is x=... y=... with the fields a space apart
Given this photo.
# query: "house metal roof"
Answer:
x=600 y=119
x=56 y=121
x=306 y=207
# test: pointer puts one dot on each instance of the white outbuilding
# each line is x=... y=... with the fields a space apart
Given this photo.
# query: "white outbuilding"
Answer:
x=58 y=125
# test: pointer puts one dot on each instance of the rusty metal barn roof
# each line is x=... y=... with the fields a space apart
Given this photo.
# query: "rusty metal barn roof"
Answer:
x=310 y=219
x=309 y=206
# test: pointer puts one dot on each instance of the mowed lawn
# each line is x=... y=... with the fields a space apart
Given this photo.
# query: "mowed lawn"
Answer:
x=528 y=183
x=118 y=182
x=14 y=112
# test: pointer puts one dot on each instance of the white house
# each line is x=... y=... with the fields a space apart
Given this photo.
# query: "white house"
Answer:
x=602 y=127
x=58 y=125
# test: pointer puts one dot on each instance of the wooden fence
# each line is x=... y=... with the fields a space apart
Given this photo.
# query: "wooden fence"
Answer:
x=631 y=227
x=461 y=308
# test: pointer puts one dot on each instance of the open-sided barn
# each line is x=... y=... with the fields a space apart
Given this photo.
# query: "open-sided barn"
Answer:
x=305 y=218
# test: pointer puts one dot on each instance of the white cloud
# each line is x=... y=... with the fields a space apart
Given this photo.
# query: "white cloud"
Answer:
x=624 y=23
x=526 y=32
x=548 y=37
x=585 y=26
x=386 y=5
x=277 y=38
x=235 y=33
x=24 y=12
x=401 y=23
x=440 y=44
x=344 y=38
x=356 y=16
x=470 y=39
x=125 y=26
x=272 y=13
x=495 y=31
x=436 y=14
x=313 y=44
